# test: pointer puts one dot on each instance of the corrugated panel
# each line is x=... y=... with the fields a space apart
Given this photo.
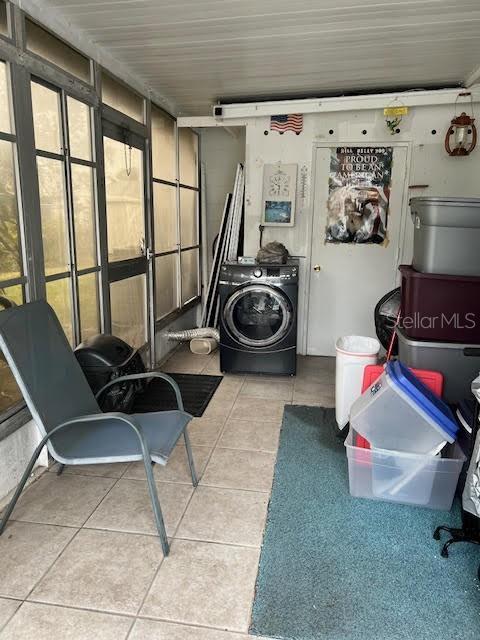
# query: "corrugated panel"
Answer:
x=198 y=51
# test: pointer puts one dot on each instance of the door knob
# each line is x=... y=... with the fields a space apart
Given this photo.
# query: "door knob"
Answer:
x=317 y=267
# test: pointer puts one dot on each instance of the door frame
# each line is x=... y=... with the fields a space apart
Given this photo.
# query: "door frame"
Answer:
x=139 y=265
x=313 y=195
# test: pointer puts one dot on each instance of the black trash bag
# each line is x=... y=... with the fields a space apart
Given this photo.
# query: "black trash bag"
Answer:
x=273 y=253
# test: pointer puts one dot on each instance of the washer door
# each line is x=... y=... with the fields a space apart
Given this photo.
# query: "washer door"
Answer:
x=257 y=315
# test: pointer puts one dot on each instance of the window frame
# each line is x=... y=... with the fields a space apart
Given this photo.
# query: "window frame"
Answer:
x=24 y=67
x=8 y=37
x=23 y=279
x=117 y=270
x=37 y=23
x=181 y=306
x=196 y=246
x=176 y=251
x=73 y=273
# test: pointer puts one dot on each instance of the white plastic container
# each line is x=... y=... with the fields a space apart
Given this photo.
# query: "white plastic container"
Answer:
x=399 y=413
x=394 y=476
x=353 y=355
x=203 y=346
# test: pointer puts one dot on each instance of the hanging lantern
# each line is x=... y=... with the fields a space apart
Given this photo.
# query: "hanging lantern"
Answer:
x=461 y=136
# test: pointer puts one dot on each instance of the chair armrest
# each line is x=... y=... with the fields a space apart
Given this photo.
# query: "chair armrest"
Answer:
x=148 y=374
x=93 y=417
x=121 y=417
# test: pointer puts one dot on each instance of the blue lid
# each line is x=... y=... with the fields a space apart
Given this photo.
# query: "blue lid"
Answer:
x=403 y=378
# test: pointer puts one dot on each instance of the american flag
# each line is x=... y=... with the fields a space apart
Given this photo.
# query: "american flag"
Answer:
x=292 y=122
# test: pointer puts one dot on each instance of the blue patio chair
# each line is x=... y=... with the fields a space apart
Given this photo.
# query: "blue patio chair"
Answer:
x=67 y=413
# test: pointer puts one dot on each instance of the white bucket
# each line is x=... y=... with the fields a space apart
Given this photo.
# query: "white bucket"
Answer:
x=353 y=355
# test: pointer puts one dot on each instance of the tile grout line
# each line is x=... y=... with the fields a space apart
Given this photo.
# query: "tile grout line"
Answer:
x=191 y=625
x=109 y=612
x=44 y=575
x=214 y=448
x=147 y=592
x=265 y=518
x=47 y=571
x=219 y=486
x=101 y=501
x=235 y=545
x=79 y=608
x=190 y=499
x=132 y=624
x=10 y=618
x=252 y=598
x=128 y=616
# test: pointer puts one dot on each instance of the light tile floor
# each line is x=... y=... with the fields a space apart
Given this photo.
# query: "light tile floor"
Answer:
x=81 y=559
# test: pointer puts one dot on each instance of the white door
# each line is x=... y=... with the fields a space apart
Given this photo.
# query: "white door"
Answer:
x=347 y=280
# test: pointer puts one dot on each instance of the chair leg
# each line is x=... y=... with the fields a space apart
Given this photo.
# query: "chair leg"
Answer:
x=191 y=463
x=60 y=469
x=157 y=511
x=20 y=486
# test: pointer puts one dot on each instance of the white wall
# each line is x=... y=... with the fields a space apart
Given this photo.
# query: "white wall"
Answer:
x=220 y=151
x=430 y=164
x=15 y=452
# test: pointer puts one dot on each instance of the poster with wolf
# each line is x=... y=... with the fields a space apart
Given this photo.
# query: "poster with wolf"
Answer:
x=358 y=195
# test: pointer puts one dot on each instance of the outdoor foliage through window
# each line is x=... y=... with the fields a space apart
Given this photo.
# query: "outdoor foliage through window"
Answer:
x=10 y=247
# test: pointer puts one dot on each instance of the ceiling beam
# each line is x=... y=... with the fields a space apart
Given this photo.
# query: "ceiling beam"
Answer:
x=208 y=121
x=345 y=103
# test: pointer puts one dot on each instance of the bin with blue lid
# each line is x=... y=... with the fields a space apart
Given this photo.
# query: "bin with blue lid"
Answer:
x=398 y=412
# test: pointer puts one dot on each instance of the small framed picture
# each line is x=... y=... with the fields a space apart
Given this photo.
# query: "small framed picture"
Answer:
x=278 y=212
x=279 y=192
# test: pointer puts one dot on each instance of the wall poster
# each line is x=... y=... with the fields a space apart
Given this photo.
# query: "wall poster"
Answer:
x=279 y=193
x=358 y=195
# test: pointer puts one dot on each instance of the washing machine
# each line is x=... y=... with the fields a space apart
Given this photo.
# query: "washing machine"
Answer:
x=258 y=318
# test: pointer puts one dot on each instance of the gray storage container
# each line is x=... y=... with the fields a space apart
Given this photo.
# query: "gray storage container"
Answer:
x=447 y=235
x=459 y=363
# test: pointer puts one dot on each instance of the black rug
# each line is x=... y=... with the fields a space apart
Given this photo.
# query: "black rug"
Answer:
x=197 y=391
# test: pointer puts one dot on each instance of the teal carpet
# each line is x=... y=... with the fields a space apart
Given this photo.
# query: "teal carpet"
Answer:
x=334 y=567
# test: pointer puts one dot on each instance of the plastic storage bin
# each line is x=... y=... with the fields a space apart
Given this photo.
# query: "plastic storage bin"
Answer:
x=447 y=235
x=459 y=363
x=353 y=354
x=400 y=413
x=440 y=307
x=432 y=379
x=395 y=476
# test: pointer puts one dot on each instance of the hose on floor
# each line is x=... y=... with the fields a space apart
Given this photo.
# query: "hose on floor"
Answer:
x=189 y=334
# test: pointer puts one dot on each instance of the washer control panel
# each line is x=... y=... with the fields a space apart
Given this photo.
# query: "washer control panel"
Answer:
x=236 y=273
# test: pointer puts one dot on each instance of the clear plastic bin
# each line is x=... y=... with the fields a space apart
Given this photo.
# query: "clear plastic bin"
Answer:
x=408 y=478
x=399 y=413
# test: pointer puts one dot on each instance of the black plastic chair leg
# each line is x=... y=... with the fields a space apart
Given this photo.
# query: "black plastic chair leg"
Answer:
x=450 y=530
